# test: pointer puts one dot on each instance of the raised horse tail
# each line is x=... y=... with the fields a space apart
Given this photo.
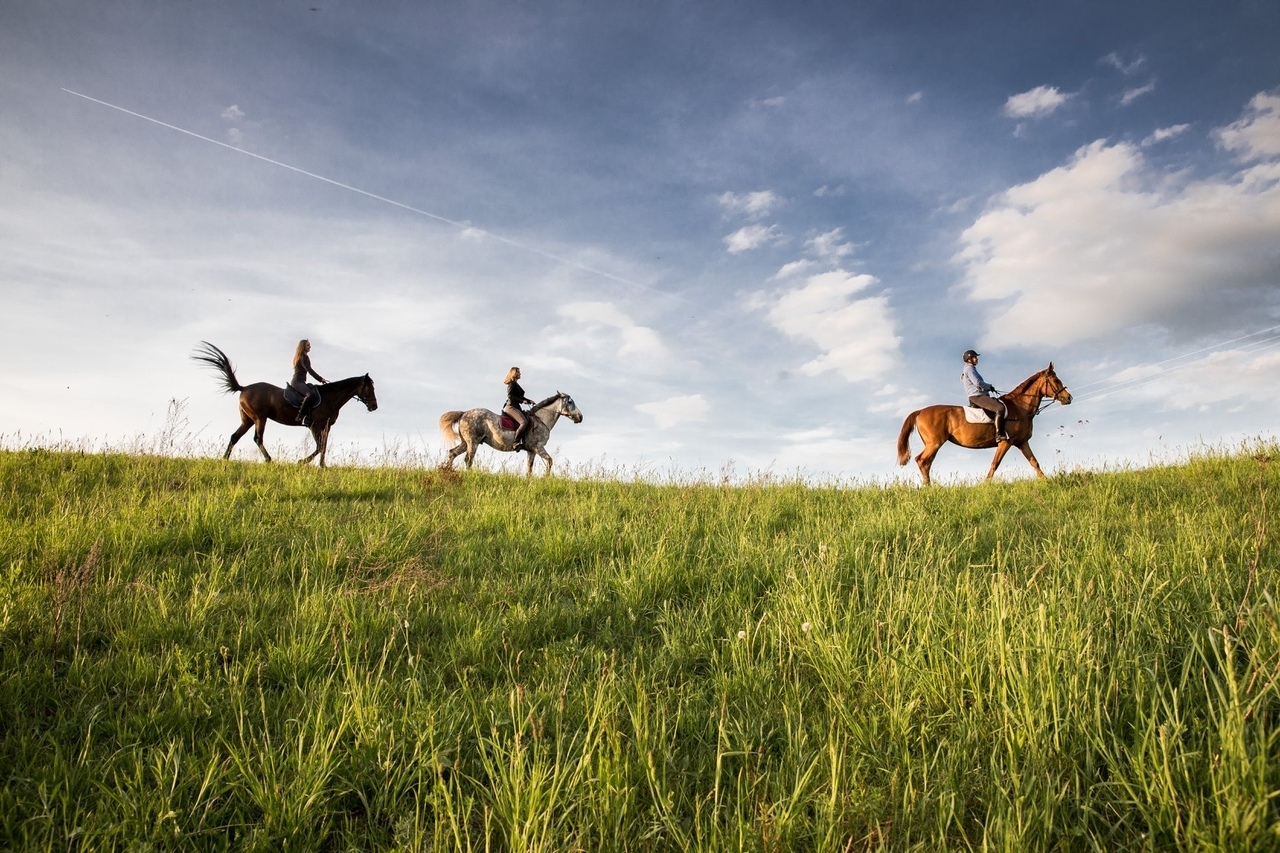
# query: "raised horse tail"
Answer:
x=904 y=446
x=210 y=356
x=449 y=428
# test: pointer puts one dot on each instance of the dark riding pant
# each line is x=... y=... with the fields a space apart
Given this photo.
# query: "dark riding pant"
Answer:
x=992 y=405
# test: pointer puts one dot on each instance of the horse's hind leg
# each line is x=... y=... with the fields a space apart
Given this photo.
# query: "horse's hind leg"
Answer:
x=925 y=460
x=245 y=424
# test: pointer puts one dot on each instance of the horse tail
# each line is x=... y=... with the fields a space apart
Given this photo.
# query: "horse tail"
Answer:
x=449 y=428
x=904 y=446
x=210 y=356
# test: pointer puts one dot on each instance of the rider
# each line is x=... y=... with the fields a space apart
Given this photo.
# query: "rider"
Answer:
x=301 y=367
x=515 y=398
x=979 y=391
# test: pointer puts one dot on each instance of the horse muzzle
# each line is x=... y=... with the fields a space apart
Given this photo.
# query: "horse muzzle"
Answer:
x=1063 y=397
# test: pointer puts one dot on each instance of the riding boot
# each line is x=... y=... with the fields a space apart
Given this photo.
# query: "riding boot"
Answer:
x=1001 y=435
x=520 y=431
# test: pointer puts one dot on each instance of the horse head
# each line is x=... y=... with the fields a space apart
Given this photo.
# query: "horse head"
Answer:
x=565 y=406
x=365 y=393
x=1051 y=386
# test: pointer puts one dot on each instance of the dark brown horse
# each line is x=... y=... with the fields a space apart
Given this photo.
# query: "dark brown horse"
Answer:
x=263 y=401
x=940 y=424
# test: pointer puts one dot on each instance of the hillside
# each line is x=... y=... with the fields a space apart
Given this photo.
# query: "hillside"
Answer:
x=210 y=655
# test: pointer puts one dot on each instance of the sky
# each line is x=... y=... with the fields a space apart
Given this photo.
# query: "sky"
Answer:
x=748 y=238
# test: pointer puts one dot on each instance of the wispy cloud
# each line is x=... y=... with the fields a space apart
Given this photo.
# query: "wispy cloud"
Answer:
x=677 y=410
x=1131 y=95
x=1129 y=68
x=752 y=204
x=751 y=237
x=1036 y=103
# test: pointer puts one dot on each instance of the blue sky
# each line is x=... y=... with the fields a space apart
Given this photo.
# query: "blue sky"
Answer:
x=746 y=237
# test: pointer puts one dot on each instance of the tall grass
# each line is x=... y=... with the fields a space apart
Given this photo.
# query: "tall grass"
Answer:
x=206 y=655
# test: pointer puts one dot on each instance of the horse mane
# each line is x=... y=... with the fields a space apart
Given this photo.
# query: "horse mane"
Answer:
x=546 y=402
x=1024 y=386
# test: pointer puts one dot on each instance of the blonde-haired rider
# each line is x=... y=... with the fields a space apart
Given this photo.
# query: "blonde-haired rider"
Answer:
x=301 y=368
x=515 y=399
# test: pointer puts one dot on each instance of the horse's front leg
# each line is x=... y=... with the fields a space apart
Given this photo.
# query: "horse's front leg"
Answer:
x=542 y=451
x=1001 y=449
x=317 y=435
x=1025 y=447
x=259 y=429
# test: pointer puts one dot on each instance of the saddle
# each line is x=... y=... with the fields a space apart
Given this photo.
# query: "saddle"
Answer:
x=509 y=423
x=293 y=398
x=976 y=415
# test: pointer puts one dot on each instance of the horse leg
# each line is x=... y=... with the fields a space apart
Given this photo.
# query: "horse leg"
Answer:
x=316 y=434
x=245 y=424
x=1025 y=447
x=259 y=428
x=542 y=451
x=925 y=460
x=471 y=446
x=1001 y=449
x=324 y=444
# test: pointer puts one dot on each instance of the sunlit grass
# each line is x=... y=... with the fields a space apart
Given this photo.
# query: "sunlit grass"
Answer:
x=205 y=655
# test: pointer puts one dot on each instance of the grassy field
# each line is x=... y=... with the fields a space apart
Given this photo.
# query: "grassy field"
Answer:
x=199 y=655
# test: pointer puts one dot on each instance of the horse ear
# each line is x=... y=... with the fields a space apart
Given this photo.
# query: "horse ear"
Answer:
x=1051 y=367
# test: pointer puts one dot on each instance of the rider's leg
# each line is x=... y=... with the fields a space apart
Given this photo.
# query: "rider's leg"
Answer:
x=522 y=422
x=996 y=408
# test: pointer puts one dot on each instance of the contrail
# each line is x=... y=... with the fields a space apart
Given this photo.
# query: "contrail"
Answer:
x=410 y=208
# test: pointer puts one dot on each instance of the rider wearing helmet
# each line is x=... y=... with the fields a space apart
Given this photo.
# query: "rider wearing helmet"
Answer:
x=979 y=392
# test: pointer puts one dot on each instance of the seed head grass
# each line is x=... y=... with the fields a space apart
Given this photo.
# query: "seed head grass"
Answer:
x=205 y=655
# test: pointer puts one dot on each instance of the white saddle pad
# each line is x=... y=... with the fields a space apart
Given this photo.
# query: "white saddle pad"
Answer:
x=974 y=415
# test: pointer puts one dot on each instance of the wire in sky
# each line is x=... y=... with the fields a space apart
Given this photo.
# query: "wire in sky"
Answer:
x=410 y=208
x=1263 y=340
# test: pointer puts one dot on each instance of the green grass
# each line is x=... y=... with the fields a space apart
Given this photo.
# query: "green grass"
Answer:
x=199 y=655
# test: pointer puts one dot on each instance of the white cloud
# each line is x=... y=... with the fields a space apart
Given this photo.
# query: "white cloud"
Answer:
x=856 y=336
x=1131 y=95
x=794 y=268
x=830 y=246
x=1038 y=102
x=753 y=204
x=233 y=113
x=1106 y=242
x=915 y=97
x=751 y=237
x=677 y=410
x=1164 y=133
x=1257 y=134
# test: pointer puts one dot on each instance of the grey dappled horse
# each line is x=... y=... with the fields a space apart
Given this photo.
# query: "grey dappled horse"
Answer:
x=475 y=427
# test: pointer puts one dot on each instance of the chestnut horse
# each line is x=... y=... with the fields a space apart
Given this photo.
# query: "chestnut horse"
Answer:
x=263 y=401
x=939 y=424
